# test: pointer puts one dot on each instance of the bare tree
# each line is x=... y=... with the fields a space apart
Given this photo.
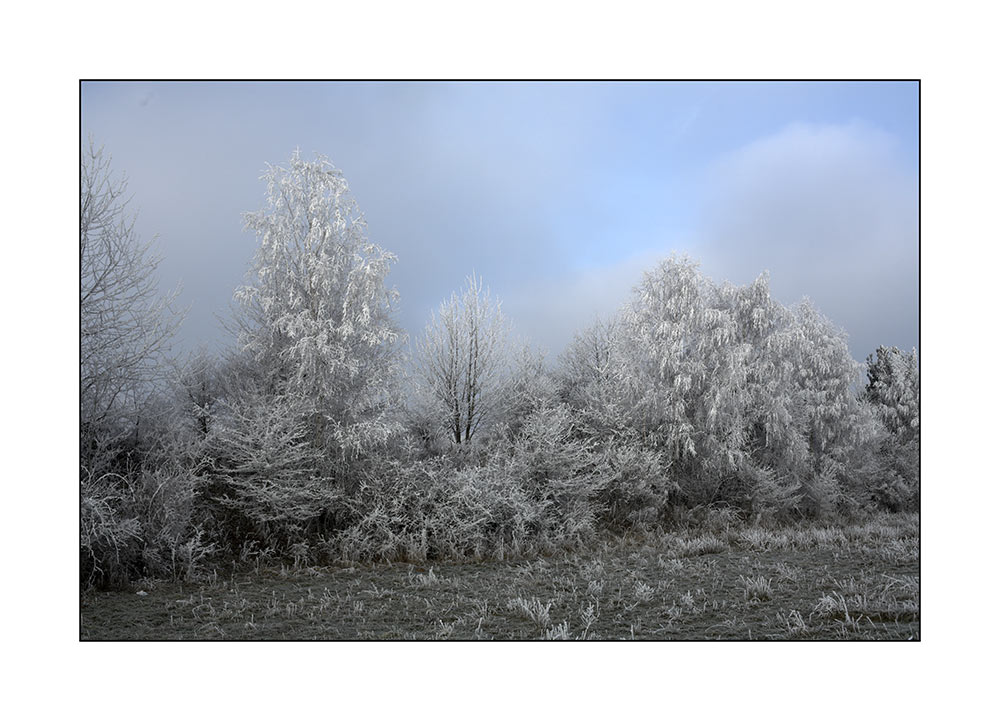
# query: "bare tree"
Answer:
x=460 y=361
x=125 y=324
x=131 y=517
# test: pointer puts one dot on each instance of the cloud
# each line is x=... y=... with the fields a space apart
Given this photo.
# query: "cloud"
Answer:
x=549 y=313
x=828 y=210
x=832 y=213
x=558 y=195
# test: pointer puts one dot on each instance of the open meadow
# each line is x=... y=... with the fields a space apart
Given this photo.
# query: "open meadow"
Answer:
x=810 y=581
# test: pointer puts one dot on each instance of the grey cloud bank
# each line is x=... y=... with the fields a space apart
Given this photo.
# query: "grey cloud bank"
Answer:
x=558 y=195
x=828 y=211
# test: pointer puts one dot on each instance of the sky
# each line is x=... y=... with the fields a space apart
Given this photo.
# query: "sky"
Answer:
x=559 y=195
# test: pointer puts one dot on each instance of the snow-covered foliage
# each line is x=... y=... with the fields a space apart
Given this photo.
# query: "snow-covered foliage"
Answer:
x=316 y=313
x=560 y=474
x=685 y=368
x=538 y=495
x=590 y=378
x=141 y=520
x=893 y=391
x=431 y=509
x=637 y=488
x=529 y=387
x=831 y=420
x=279 y=432
x=747 y=401
x=261 y=480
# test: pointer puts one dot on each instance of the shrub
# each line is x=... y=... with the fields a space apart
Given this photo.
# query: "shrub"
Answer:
x=636 y=487
x=559 y=474
x=539 y=496
x=895 y=486
x=109 y=536
x=260 y=479
x=139 y=525
x=431 y=509
x=175 y=544
x=772 y=496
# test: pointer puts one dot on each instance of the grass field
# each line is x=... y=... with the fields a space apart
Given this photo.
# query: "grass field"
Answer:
x=804 y=582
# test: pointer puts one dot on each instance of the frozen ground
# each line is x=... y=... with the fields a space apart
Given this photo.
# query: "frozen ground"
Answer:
x=809 y=581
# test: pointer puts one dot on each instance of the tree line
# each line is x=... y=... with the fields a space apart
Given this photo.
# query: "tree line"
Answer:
x=323 y=434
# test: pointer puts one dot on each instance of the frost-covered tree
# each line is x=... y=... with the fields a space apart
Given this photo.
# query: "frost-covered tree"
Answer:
x=683 y=366
x=198 y=391
x=461 y=362
x=587 y=373
x=125 y=323
x=770 y=436
x=741 y=399
x=529 y=387
x=316 y=314
x=893 y=391
x=830 y=419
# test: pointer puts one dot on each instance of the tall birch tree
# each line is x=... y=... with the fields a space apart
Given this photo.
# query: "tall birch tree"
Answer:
x=316 y=314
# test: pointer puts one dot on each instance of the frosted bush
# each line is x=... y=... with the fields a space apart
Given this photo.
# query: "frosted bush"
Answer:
x=109 y=535
x=559 y=474
x=636 y=486
x=138 y=525
x=260 y=480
